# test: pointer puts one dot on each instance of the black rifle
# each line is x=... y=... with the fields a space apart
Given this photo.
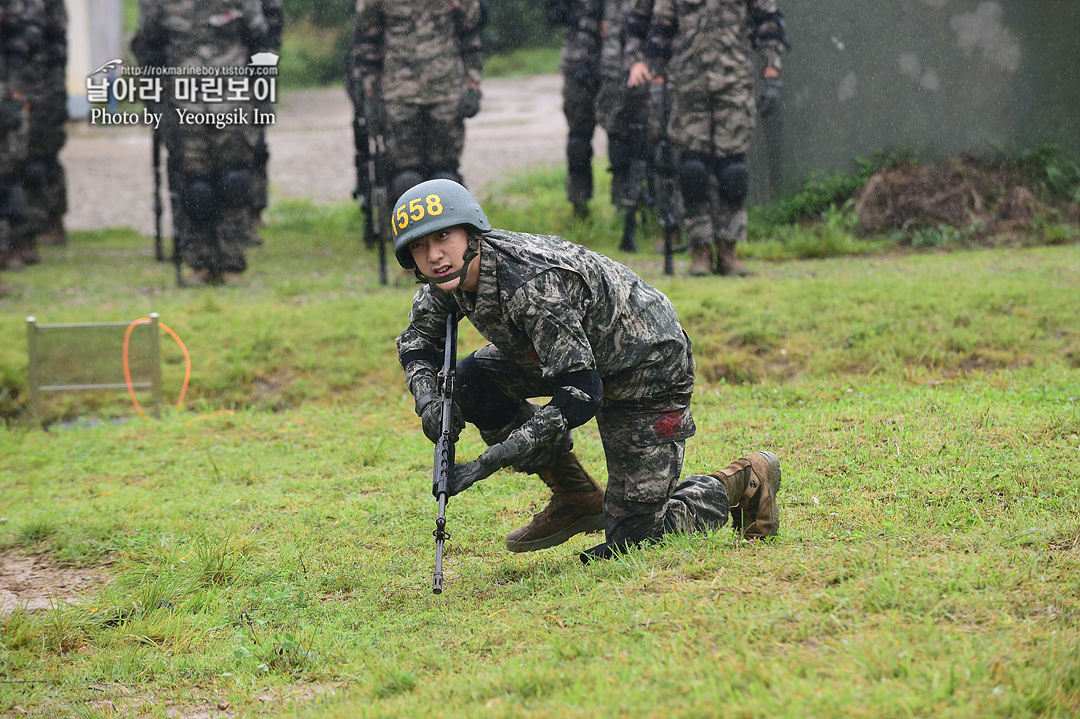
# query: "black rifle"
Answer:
x=444 y=447
x=664 y=164
x=361 y=157
x=159 y=254
x=376 y=181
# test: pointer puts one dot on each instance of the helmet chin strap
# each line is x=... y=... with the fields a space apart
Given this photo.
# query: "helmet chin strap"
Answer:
x=470 y=255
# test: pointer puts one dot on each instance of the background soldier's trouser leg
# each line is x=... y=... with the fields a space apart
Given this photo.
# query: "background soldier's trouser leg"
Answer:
x=579 y=106
x=492 y=395
x=403 y=134
x=444 y=141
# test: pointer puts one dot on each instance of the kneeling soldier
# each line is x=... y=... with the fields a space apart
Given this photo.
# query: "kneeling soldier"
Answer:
x=569 y=323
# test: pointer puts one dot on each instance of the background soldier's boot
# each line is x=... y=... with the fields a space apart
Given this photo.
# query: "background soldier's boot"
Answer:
x=576 y=506
x=700 y=260
x=752 y=484
x=727 y=262
x=54 y=234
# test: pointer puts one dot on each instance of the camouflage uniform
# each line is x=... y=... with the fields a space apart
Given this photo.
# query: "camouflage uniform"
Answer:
x=272 y=10
x=419 y=57
x=580 y=67
x=211 y=180
x=703 y=49
x=14 y=121
x=550 y=309
x=36 y=72
x=622 y=111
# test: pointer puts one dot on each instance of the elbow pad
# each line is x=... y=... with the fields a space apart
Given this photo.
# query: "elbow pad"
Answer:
x=578 y=396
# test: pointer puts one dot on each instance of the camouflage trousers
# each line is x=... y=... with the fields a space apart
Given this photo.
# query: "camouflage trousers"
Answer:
x=425 y=138
x=624 y=114
x=212 y=186
x=716 y=124
x=721 y=222
x=43 y=175
x=643 y=447
x=579 y=107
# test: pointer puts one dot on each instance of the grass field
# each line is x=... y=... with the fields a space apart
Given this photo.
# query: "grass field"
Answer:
x=276 y=561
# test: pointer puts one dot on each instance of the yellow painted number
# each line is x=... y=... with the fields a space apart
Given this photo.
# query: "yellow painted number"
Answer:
x=416 y=211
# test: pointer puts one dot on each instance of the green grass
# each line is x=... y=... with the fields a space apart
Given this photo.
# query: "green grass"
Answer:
x=277 y=561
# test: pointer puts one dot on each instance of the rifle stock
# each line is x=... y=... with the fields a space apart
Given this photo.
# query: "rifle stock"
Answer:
x=444 y=447
x=664 y=163
x=377 y=180
x=362 y=190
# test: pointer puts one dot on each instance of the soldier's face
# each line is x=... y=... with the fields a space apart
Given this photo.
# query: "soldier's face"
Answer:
x=442 y=253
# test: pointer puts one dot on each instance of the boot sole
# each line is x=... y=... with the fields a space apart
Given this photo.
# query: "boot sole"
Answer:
x=594 y=523
x=774 y=483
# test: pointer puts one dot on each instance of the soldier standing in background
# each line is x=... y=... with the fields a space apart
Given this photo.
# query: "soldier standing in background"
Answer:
x=580 y=67
x=44 y=85
x=421 y=60
x=703 y=50
x=212 y=180
x=36 y=36
x=622 y=110
x=275 y=21
x=14 y=116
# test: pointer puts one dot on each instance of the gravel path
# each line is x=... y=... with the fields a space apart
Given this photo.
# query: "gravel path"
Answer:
x=110 y=177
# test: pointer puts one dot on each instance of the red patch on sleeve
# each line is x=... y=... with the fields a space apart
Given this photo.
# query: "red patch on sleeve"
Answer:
x=531 y=354
x=668 y=424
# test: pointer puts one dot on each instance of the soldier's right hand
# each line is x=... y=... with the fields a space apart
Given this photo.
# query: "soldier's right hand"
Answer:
x=639 y=74
x=470 y=102
x=429 y=409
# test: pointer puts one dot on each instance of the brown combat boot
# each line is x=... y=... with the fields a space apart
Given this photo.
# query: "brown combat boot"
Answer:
x=54 y=235
x=752 y=484
x=576 y=506
x=727 y=263
x=701 y=261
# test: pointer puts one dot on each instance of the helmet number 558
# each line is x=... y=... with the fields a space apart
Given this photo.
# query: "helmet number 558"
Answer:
x=416 y=210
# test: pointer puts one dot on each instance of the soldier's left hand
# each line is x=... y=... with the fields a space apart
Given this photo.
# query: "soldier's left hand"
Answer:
x=492 y=460
x=470 y=102
x=769 y=96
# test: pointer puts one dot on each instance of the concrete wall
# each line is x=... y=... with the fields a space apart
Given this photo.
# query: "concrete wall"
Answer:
x=94 y=37
x=936 y=77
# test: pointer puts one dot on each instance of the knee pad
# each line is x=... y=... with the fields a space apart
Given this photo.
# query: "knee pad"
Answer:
x=403 y=182
x=482 y=403
x=236 y=185
x=579 y=153
x=733 y=179
x=198 y=199
x=620 y=153
x=447 y=174
x=694 y=179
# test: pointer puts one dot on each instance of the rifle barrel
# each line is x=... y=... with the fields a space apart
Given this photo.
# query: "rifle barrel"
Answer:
x=444 y=448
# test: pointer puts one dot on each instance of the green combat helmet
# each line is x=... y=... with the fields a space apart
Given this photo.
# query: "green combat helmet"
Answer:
x=430 y=206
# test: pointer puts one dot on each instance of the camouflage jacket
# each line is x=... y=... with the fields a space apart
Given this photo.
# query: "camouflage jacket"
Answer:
x=545 y=301
x=13 y=108
x=36 y=39
x=15 y=26
x=583 y=38
x=614 y=62
x=705 y=44
x=200 y=33
x=418 y=51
